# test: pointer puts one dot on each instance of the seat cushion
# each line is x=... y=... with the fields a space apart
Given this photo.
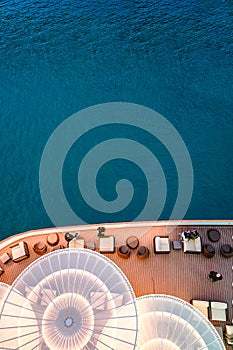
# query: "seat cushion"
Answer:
x=161 y=244
x=5 y=258
x=202 y=306
x=107 y=244
x=118 y=299
x=192 y=245
x=77 y=243
x=229 y=330
x=218 y=311
x=98 y=300
x=19 y=252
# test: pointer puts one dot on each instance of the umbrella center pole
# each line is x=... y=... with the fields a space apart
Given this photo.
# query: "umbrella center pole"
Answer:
x=69 y=321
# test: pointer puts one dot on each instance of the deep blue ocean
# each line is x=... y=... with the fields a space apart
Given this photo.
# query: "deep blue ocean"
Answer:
x=59 y=57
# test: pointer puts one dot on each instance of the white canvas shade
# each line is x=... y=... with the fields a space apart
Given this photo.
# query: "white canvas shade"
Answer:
x=169 y=323
x=64 y=299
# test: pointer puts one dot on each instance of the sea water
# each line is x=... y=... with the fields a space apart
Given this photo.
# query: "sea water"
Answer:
x=59 y=57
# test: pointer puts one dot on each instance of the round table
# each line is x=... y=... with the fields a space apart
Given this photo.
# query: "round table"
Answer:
x=213 y=235
x=209 y=251
x=53 y=239
x=132 y=242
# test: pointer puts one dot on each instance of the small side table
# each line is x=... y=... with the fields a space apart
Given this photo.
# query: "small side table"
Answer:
x=132 y=242
x=176 y=245
x=52 y=239
x=90 y=245
x=208 y=251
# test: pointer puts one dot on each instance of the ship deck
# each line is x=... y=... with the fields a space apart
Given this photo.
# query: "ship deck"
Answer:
x=179 y=274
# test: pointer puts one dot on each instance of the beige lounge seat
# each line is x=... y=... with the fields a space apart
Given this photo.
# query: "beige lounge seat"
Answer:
x=162 y=245
x=202 y=306
x=218 y=311
x=5 y=257
x=98 y=300
x=229 y=334
x=118 y=299
x=77 y=243
x=192 y=245
x=1 y=271
x=19 y=251
x=107 y=244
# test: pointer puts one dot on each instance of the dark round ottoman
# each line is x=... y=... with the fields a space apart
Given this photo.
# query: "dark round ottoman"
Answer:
x=208 y=251
x=142 y=253
x=226 y=250
x=213 y=235
x=123 y=251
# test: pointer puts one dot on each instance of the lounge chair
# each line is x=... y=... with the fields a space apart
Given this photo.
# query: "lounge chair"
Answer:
x=19 y=251
x=218 y=311
x=229 y=334
x=162 y=245
x=117 y=299
x=98 y=300
x=4 y=258
x=192 y=245
x=77 y=243
x=90 y=245
x=107 y=244
x=202 y=306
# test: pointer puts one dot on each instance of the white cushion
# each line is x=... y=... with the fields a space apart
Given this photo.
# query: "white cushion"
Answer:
x=98 y=300
x=4 y=258
x=77 y=243
x=218 y=311
x=218 y=305
x=192 y=245
x=18 y=251
x=229 y=330
x=162 y=244
x=107 y=244
x=202 y=306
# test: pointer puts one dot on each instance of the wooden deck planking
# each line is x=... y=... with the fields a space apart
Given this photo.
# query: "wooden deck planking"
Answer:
x=179 y=274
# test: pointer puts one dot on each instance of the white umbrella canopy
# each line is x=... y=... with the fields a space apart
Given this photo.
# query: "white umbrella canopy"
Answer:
x=169 y=323
x=64 y=300
x=26 y=330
